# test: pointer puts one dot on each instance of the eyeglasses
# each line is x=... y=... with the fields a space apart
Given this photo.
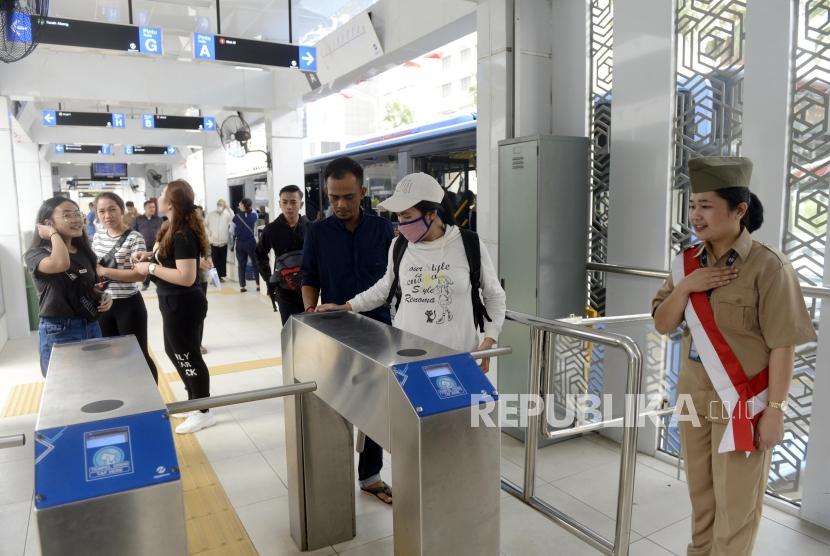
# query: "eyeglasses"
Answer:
x=76 y=215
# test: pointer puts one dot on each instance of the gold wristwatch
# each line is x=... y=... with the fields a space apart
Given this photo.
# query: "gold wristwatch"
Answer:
x=781 y=406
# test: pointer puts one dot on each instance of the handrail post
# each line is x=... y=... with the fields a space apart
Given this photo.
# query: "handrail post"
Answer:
x=537 y=338
x=628 y=455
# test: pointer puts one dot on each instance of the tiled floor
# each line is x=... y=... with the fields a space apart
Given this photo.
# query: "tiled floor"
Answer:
x=247 y=451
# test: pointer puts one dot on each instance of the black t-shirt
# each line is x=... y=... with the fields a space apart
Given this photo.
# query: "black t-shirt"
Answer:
x=54 y=290
x=185 y=246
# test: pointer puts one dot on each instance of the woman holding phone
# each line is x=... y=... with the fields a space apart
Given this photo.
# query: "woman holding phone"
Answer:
x=113 y=245
x=63 y=265
x=174 y=266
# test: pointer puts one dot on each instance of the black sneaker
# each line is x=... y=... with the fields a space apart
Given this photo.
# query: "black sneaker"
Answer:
x=257 y=288
x=242 y=290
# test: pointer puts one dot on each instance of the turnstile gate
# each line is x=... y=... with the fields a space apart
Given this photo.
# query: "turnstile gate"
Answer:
x=413 y=397
x=106 y=473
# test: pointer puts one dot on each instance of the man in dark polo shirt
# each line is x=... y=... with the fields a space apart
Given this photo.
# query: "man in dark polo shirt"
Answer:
x=344 y=255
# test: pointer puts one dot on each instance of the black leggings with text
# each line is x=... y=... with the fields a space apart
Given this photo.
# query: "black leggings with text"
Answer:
x=182 y=315
x=128 y=315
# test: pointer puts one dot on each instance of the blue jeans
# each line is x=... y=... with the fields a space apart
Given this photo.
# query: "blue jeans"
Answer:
x=60 y=331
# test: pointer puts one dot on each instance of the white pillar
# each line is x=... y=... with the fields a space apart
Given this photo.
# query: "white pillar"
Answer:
x=494 y=22
x=285 y=141
x=641 y=165
x=15 y=322
x=571 y=53
x=29 y=189
x=815 y=501
x=534 y=73
x=215 y=181
x=766 y=109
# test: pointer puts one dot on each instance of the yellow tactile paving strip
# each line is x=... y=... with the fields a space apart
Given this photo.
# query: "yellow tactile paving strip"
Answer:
x=213 y=527
x=24 y=399
x=235 y=367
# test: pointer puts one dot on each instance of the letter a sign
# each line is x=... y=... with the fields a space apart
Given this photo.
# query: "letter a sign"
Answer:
x=204 y=47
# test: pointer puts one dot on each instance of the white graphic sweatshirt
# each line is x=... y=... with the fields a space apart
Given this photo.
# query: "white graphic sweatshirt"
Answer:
x=435 y=285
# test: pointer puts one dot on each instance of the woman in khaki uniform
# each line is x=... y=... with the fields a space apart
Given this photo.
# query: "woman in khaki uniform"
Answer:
x=743 y=314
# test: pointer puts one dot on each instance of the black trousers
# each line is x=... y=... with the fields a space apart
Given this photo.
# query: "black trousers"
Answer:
x=245 y=251
x=204 y=286
x=219 y=254
x=289 y=303
x=129 y=316
x=182 y=316
x=370 y=461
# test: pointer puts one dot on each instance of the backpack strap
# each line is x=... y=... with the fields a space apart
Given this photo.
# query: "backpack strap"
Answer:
x=472 y=248
x=397 y=255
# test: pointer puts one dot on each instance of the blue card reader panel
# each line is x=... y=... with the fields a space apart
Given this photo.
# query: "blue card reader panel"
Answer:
x=94 y=459
x=444 y=384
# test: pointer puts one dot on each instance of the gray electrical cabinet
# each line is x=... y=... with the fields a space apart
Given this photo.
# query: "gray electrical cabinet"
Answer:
x=544 y=192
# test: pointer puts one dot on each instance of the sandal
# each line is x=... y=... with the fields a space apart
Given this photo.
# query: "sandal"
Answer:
x=377 y=490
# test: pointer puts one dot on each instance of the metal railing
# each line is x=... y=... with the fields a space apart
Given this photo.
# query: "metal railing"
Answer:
x=242 y=397
x=806 y=289
x=540 y=328
x=12 y=441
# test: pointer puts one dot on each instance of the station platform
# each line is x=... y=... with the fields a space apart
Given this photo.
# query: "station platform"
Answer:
x=234 y=473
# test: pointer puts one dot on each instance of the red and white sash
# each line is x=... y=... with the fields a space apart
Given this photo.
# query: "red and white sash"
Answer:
x=745 y=398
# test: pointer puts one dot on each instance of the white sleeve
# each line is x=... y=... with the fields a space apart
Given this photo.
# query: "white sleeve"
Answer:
x=493 y=296
x=376 y=296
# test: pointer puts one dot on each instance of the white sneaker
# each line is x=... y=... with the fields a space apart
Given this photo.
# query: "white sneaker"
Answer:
x=196 y=421
x=184 y=415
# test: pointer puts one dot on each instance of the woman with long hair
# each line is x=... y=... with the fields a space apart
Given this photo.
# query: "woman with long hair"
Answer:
x=174 y=266
x=743 y=314
x=114 y=244
x=63 y=269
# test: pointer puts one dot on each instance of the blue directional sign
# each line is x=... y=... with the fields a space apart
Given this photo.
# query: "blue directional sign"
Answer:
x=50 y=118
x=150 y=40
x=59 y=148
x=106 y=149
x=308 y=58
x=204 y=47
x=210 y=123
x=128 y=149
x=118 y=120
x=20 y=28
x=171 y=150
x=148 y=121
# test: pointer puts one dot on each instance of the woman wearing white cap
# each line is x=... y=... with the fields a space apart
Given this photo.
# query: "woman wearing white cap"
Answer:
x=442 y=276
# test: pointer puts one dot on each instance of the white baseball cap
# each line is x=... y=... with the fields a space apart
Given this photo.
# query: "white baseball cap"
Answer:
x=411 y=190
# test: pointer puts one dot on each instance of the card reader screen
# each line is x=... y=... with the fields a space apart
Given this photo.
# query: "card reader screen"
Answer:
x=107 y=438
x=438 y=370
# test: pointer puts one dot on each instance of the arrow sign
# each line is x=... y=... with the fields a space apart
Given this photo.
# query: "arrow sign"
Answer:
x=209 y=124
x=50 y=119
x=308 y=58
x=171 y=150
x=59 y=148
x=20 y=29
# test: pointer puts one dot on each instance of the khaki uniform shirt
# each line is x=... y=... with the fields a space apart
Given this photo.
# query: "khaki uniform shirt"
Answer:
x=762 y=309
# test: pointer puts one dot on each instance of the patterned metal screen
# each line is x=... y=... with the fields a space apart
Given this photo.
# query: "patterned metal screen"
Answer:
x=805 y=232
x=602 y=42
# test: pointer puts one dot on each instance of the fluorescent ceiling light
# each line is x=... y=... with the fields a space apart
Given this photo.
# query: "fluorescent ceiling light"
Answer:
x=249 y=68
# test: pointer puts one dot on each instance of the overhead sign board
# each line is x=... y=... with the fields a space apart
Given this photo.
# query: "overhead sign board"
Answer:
x=61 y=148
x=149 y=149
x=244 y=51
x=348 y=47
x=53 y=118
x=89 y=34
x=193 y=123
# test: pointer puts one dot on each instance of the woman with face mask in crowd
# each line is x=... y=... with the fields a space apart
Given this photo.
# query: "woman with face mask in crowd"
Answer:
x=114 y=244
x=443 y=278
x=174 y=266
x=63 y=269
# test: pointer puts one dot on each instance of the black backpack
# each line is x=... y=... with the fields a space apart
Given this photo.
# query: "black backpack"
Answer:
x=472 y=248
